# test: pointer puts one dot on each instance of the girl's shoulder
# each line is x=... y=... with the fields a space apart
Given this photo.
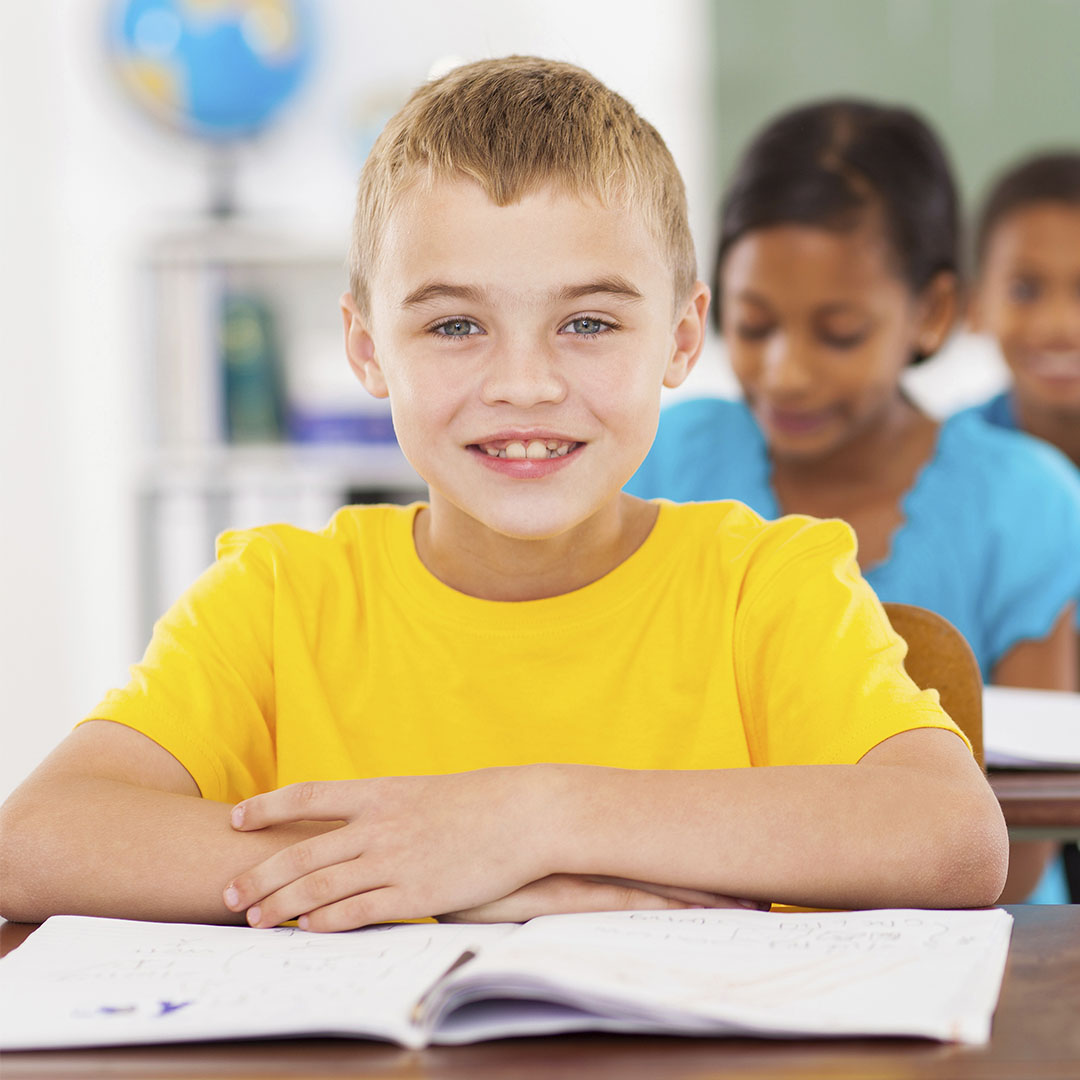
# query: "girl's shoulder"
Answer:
x=1002 y=463
x=707 y=448
x=998 y=411
x=715 y=418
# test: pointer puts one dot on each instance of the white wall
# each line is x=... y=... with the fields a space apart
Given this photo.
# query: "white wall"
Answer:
x=86 y=180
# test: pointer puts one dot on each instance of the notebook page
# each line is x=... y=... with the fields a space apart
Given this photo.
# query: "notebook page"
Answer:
x=1031 y=728
x=96 y=982
x=898 y=972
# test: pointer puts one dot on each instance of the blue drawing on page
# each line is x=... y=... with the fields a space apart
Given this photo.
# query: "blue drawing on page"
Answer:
x=171 y=1007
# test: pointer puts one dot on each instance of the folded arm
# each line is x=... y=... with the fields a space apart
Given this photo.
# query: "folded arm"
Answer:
x=913 y=824
x=112 y=824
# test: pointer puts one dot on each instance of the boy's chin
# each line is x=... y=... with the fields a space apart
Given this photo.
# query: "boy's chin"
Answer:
x=526 y=523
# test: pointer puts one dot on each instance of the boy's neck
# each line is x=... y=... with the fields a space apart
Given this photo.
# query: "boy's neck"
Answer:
x=477 y=561
x=1058 y=426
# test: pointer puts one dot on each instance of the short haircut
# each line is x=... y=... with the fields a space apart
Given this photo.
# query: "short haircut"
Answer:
x=515 y=125
x=1050 y=177
x=833 y=163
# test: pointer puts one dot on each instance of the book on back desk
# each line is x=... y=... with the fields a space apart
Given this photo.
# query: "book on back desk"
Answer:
x=1031 y=729
x=96 y=982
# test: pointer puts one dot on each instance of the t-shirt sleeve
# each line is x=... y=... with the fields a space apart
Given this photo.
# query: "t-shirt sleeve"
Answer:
x=819 y=668
x=204 y=689
x=1036 y=553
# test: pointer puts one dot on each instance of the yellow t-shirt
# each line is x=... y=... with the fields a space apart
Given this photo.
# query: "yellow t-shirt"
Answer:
x=723 y=641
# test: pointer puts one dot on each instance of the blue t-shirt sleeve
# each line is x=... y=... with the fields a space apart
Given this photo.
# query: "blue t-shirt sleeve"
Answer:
x=1036 y=571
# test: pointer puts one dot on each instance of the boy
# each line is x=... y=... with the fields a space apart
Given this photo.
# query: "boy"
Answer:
x=534 y=693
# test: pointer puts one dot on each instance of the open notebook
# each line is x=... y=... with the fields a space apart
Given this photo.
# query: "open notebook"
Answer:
x=1031 y=729
x=95 y=982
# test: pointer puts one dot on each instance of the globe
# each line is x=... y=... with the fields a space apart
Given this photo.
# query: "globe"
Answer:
x=216 y=69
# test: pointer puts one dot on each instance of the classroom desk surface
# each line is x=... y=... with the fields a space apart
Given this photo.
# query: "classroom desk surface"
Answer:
x=1039 y=805
x=1036 y=1036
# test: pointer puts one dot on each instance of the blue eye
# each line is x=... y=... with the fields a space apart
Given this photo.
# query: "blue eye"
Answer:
x=587 y=326
x=456 y=328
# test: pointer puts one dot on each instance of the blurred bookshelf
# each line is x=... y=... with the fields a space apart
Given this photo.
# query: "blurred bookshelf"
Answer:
x=255 y=416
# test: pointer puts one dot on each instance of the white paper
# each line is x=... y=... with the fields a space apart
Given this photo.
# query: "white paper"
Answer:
x=98 y=982
x=1031 y=728
x=896 y=972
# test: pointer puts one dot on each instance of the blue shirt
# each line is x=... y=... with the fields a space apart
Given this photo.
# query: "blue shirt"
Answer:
x=999 y=411
x=991 y=530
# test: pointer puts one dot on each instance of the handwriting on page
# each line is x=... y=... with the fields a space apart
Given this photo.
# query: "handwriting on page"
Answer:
x=124 y=978
x=731 y=963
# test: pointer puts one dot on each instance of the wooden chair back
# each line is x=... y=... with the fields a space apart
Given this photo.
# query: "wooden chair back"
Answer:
x=940 y=658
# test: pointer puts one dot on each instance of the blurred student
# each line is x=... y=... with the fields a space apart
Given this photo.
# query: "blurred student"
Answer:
x=837 y=268
x=1027 y=296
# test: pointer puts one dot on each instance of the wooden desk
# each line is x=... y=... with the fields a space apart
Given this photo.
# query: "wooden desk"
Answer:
x=1036 y=1037
x=1039 y=805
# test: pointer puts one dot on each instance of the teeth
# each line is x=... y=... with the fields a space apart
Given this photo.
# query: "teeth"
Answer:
x=533 y=450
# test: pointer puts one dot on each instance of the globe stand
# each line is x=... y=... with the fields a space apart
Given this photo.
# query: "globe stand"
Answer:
x=221 y=172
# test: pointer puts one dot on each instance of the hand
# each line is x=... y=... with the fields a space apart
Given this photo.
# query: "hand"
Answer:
x=565 y=894
x=409 y=847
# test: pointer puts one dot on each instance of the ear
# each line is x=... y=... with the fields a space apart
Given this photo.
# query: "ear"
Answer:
x=689 y=336
x=939 y=307
x=360 y=349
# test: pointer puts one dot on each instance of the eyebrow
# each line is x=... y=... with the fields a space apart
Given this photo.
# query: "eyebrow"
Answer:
x=610 y=286
x=439 y=290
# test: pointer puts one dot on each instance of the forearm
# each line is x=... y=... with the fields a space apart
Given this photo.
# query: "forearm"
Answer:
x=91 y=846
x=818 y=836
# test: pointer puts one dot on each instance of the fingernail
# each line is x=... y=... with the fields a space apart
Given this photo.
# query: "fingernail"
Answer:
x=232 y=897
x=253 y=915
x=754 y=905
x=237 y=815
x=302 y=922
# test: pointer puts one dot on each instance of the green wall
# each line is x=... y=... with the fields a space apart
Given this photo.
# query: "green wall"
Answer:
x=996 y=78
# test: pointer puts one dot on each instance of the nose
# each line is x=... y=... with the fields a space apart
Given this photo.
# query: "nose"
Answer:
x=1058 y=324
x=786 y=369
x=523 y=374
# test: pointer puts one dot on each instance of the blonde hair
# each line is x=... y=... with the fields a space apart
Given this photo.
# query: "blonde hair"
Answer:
x=515 y=125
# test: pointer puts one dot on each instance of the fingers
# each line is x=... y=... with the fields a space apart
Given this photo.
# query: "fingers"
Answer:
x=689 y=897
x=565 y=894
x=376 y=906
x=300 y=878
x=310 y=801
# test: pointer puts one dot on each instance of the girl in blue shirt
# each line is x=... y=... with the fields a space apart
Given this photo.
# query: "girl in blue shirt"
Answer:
x=837 y=267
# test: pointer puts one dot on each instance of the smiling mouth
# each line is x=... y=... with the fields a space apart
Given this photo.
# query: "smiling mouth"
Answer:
x=795 y=423
x=1054 y=365
x=530 y=450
